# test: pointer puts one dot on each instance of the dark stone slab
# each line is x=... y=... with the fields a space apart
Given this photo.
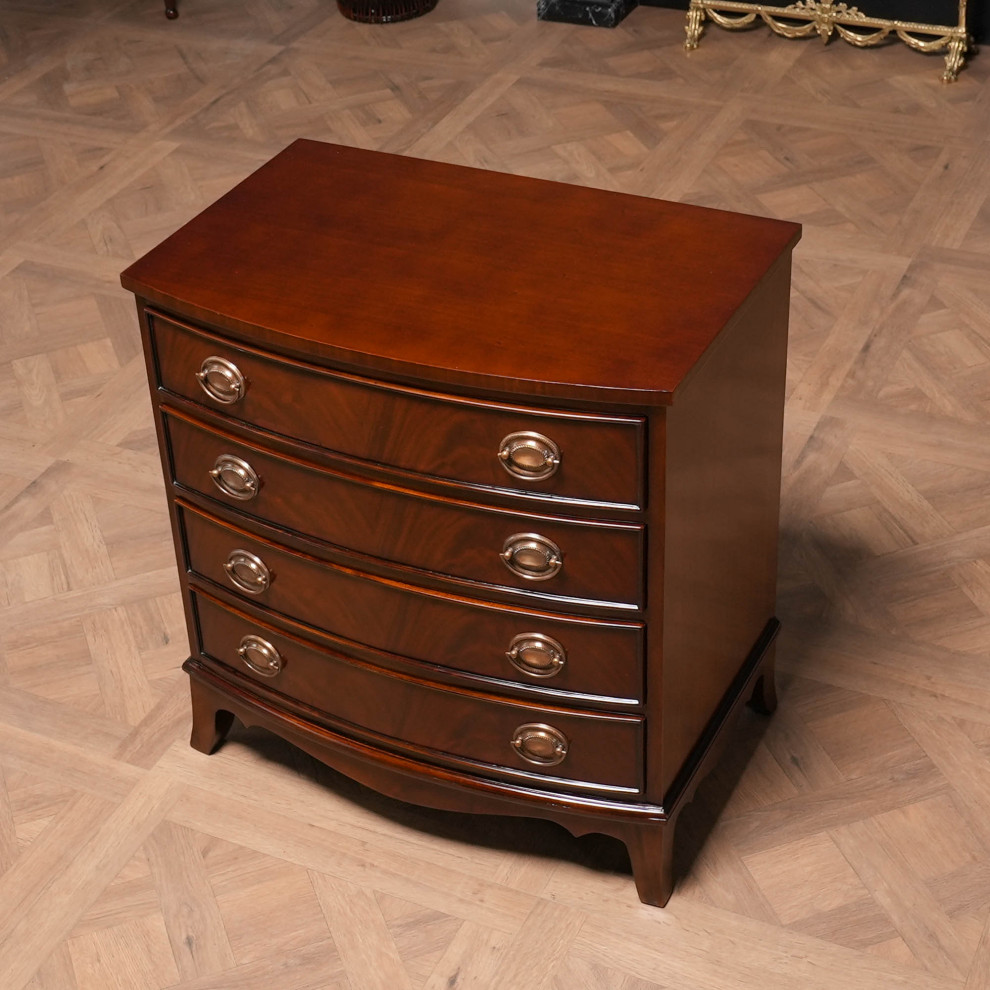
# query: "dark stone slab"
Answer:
x=597 y=13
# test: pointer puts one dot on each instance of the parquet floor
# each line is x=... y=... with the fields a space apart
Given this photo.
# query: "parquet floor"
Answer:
x=846 y=844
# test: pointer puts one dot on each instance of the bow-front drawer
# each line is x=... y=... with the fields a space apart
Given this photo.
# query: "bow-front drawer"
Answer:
x=576 y=561
x=543 y=454
x=487 y=734
x=535 y=651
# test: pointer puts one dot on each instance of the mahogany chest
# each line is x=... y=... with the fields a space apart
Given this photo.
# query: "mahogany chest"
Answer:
x=474 y=480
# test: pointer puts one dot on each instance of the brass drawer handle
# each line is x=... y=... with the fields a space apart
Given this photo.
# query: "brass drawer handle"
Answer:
x=247 y=572
x=260 y=656
x=235 y=477
x=530 y=456
x=221 y=380
x=536 y=655
x=540 y=744
x=532 y=556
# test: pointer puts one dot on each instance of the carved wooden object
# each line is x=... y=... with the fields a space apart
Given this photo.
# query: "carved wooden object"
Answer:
x=478 y=524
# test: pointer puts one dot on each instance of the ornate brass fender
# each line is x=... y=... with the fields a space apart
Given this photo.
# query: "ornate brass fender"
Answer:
x=806 y=17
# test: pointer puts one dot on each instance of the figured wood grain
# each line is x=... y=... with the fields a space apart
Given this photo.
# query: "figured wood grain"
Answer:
x=406 y=712
x=429 y=433
x=466 y=635
x=601 y=561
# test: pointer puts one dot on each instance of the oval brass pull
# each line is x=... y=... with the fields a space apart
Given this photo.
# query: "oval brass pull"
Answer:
x=536 y=655
x=530 y=456
x=532 y=556
x=221 y=379
x=540 y=744
x=247 y=572
x=235 y=477
x=260 y=656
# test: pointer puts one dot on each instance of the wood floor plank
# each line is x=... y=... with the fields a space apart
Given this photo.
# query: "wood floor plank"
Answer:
x=320 y=849
x=920 y=922
x=844 y=842
x=473 y=960
x=978 y=977
x=8 y=829
x=963 y=763
x=544 y=940
x=364 y=943
x=190 y=914
x=672 y=949
x=85 y=852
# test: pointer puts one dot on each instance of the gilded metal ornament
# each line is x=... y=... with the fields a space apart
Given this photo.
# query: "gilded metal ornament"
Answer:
x=804 y=18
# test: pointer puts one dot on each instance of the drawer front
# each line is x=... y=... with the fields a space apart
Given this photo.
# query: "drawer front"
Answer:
x=599 y=458
x=596 y=562
x=602 y=750
x=595 y=658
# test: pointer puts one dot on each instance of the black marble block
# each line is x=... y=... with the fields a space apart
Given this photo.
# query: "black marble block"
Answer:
x=598 y=13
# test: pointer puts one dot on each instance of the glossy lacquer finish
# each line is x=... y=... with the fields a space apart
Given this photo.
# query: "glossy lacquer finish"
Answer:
x=481 y=526
x=445 y=724
x=469 y=638
x=441 y=436
x=465 y=540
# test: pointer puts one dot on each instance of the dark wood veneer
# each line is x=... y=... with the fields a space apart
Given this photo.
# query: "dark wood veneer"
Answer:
x=602 y=561
x=606 y=750
x=393 y=320
x=425 y=432
x=454 y=275
x=463 y=634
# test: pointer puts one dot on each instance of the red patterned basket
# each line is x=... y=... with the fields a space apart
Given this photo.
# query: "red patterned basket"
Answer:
x=384 y=11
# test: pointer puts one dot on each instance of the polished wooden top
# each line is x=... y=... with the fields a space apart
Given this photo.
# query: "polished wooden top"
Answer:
x=453 y=275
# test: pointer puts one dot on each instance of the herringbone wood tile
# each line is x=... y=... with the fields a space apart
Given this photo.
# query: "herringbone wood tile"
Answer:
x=843 y=842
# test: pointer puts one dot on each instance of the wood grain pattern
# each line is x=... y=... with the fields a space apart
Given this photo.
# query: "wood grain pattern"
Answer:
x=419 y=431
x=117 y=126
x=425 y=626
x=601 y=560
x=395 y=225
x=412 y=714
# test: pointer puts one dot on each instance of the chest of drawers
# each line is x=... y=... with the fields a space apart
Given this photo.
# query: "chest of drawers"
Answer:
x=474 y=480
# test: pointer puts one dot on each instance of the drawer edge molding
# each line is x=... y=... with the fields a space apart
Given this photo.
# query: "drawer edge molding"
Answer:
x=531 y=598
x=469 y=446
x=215 y=696
x=376 y=518
x=443 y=674
x=424 y=755
x=498 y=495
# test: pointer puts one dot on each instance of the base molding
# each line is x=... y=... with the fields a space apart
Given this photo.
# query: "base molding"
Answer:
x=644 y=827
